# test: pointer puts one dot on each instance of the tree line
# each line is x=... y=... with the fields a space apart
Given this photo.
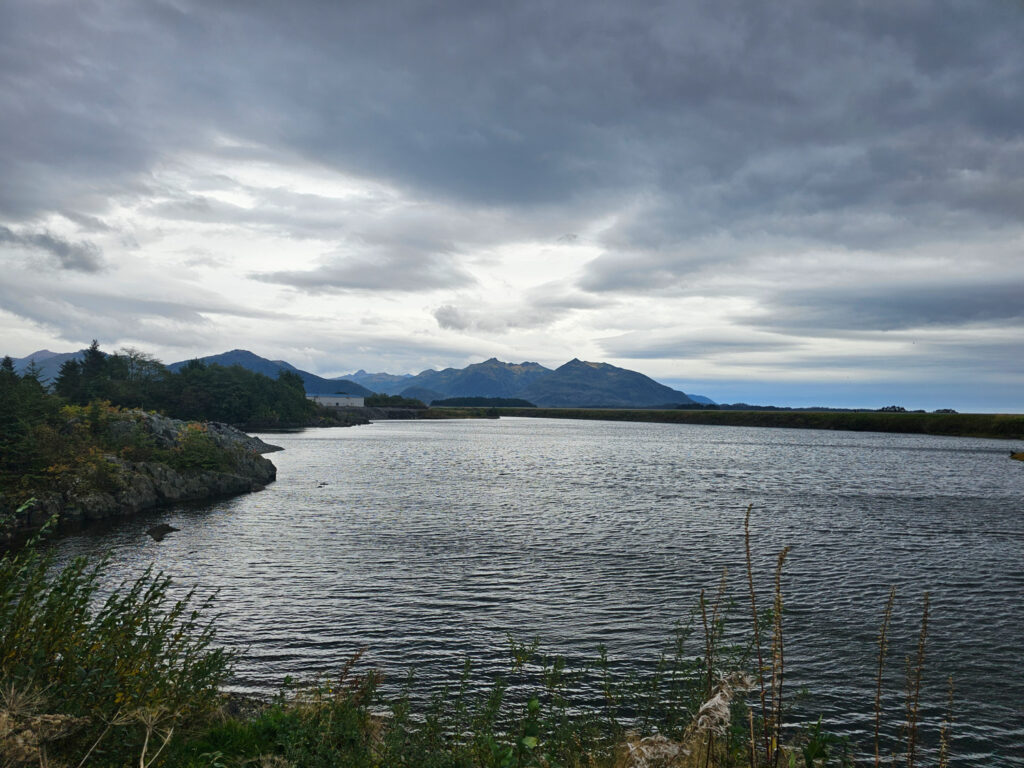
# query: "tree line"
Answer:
x=198 y=391
x=133 y=379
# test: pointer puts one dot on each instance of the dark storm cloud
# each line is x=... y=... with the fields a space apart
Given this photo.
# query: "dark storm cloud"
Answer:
x=732 y=109
x=61 y=253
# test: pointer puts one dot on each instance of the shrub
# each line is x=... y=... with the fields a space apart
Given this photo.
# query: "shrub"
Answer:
x=125 y=671
x=197 y=450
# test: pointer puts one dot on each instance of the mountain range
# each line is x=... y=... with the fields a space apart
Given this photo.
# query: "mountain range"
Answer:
x=577 y=384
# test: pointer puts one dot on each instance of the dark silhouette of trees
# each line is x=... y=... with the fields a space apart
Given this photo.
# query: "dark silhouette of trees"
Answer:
x=25 y=408
x=134 y=379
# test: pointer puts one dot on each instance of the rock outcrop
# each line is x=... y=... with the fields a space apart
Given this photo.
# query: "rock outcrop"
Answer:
x=133 y=486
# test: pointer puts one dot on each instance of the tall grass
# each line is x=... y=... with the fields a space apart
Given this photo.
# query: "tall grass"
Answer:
x=124 y=670
x=132 y=679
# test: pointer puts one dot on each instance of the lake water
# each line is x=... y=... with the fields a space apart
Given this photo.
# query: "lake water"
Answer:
x=430 y=541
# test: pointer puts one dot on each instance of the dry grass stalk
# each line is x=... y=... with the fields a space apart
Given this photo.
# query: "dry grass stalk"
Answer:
x=709 y=662
x=713 y=716
x=697 y=747
x=158 y=722
x=24 y=732
x=914 y=687
x=778 y=665
x=947 y=724
x=883 y=647
x=757 y=640
x=23 y=738
x=753 y=743
x=719 y=597
x=656 y=751
x=711 y=637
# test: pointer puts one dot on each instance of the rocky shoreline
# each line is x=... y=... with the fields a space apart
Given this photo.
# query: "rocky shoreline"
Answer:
x=134 y=486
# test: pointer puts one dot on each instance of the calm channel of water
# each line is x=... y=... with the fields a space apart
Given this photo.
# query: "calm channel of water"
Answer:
x=430 y=541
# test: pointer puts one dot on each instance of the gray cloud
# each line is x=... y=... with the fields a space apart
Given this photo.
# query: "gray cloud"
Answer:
x=63 y=254
x=75 y=312
x=539 y=308
x=451 y=317
x=393 y=271
x=534 y=103
x=896 y=307
x=648 y=345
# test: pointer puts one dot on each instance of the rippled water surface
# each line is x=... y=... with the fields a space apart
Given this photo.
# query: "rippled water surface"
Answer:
x=429 y=541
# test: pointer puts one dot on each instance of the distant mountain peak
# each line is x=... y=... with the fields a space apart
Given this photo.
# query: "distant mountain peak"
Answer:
x=583 y=384
x=42 y=354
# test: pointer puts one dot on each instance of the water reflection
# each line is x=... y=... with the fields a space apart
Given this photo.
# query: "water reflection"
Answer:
x=429 y=541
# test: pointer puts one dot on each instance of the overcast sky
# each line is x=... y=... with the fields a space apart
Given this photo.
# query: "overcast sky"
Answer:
x=792 y=202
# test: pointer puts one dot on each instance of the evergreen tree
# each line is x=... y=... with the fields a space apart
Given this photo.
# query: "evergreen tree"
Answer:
x=25 y=406
x=69 y=381
x=95 y=374
x=94 y=362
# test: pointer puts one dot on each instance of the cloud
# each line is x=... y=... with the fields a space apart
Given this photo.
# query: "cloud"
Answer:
x=168 y=314
x=888 y=307
x=540 y=307
x=642 y=345
x=408 y=272
x=63 y=254
x=713 y=109
x=812 y=165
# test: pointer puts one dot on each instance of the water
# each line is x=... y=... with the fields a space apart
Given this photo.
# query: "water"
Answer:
x=429 y=541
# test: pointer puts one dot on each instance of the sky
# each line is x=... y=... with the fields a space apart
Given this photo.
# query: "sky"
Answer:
x=797 y=203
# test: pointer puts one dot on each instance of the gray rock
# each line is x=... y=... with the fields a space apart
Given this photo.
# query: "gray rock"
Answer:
x=149 y=484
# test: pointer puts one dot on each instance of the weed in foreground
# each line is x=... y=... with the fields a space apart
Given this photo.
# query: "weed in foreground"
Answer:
x=118 y=674
x=120 y=681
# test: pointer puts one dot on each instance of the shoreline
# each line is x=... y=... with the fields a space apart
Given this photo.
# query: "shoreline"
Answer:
x=232 y=465
x=982 y=425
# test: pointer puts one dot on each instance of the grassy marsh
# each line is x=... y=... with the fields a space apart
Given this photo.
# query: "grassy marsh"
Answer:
x=989 y=425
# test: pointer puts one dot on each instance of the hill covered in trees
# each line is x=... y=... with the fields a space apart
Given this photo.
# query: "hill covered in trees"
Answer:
x=77 y=457
x=314 y=385
x=196 y=390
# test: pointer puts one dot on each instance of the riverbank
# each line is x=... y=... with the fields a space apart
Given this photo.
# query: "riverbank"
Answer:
x=110 y=463
x=987 y=425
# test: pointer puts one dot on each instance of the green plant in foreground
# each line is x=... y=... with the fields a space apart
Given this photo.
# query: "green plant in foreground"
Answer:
x=129 y=668
x=132 y=679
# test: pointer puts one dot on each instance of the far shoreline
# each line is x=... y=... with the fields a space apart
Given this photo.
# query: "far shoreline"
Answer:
x=981 y=425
